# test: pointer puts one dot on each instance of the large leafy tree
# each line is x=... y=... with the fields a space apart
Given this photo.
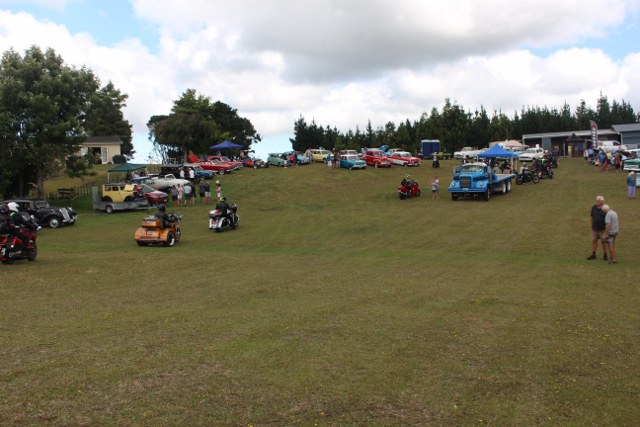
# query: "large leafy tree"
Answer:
x=195 y=123
x=46 y=110
x=105 y=117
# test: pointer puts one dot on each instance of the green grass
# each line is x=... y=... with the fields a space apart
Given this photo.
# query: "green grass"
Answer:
x=334 y=303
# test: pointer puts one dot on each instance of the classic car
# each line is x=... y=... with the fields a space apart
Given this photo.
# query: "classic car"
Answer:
x=530 y=153
x=301 y=159
x=404 y=158
x=164 y=182
x=319 y=155
x=217 y=166
x=376 y=158
x=44 y=214
x=254 y=162
x=120 y=192
x=467 y=153
x=225 y=160
x=631 y=165
x=343 y=152
x=152 y=195
x=201 y=172
x=277 y=159
x=352 y=161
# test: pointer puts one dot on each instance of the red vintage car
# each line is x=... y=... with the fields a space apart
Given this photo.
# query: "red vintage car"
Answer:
x=217 y=166
x=404 y=158
x=225 y=160
x=376 y=158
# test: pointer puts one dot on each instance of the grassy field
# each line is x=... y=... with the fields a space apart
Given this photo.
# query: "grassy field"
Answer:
x=334 y=303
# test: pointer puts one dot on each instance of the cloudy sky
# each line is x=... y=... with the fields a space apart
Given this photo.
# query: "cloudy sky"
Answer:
x=341 y=63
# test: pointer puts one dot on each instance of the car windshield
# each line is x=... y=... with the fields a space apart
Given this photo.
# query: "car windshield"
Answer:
x=531 y=150
x=403 y=154
x=472 y=168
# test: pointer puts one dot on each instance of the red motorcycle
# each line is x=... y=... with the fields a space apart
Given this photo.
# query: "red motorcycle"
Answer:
x=408 y=190
x=21 y=245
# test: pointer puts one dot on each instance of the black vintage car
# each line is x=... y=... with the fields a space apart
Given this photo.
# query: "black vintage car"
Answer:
x=46 y=215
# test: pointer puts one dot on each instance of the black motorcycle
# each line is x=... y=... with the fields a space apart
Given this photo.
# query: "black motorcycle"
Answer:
x=527 y=175
x=219 y=220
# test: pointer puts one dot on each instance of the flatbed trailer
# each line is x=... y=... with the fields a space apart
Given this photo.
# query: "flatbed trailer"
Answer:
x=110 y=207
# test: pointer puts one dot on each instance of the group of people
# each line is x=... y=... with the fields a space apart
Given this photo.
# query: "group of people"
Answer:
x=185 y=195
x=604 y=229
x=602 y=159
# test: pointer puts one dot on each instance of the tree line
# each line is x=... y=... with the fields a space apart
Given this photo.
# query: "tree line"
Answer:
x=456 y=127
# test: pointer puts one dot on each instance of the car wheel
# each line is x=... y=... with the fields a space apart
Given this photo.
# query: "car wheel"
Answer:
x=404 y=164
x=53 y=222
x=375 y=165
x=221 y=172
x=509 y=186
x=503 y=189
x=108 y=209
x=487 y=195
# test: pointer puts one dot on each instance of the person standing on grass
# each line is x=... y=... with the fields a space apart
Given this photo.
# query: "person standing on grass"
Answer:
x=174 y=196
x=435 y=188
x=610 y=232
x=218 y=191
x=187 y=193
x=597 y=228
x=631 y=185
x=180 y=194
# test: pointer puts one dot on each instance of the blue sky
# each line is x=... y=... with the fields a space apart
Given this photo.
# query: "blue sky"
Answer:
x=340 y=63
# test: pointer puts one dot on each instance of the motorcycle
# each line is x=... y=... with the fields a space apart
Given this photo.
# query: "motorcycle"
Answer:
x=408 y=190
x=545 y=172
x=527 y=175
x=154 y=231
x=218 y=221
x=21 y=245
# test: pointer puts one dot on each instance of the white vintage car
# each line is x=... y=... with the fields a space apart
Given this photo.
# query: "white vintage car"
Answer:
x=164 y=182
x=531 y=153
x=467 y=153
x=404 y=158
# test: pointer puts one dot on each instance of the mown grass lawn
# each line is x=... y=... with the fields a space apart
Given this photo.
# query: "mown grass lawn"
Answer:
x=334 y=303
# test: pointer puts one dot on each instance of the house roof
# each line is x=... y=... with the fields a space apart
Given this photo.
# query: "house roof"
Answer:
x=113 y=139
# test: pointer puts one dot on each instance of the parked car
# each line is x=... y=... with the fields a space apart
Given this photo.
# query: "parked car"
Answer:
x=152 y=195
x=319 y=155
x=217 y=166
x=343 y=152
x=224 y=159
x=467 y=153
x=164 y=182
x=404 y=158
x=301 y=159
x=531 y=153
x=254 y=162
x=120 y=192
x=277 y=159
x=44 y=214
x=631 y=165
x=376 y=158
x=352 y=161
x=201 y=173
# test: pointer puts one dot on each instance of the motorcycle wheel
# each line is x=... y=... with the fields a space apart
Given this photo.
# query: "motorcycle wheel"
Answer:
x=32 y=253
x=171 y=239
x=535 y=179
x=417 y=193
x=401 y=196
x=519 y=180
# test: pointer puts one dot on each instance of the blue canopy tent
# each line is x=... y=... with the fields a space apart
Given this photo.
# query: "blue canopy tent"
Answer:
x=225 y=144
x=497 y=152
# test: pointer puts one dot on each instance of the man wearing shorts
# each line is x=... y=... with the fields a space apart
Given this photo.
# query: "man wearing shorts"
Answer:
x=597 y=228
x=610 y=231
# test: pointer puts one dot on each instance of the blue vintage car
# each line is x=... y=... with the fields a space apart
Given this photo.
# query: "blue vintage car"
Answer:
x=300 y=158
x=352 y=161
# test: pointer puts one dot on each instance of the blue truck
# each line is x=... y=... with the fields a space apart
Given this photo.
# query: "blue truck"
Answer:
x=477 y=179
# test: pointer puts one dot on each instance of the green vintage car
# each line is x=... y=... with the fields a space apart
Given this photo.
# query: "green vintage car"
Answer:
x=277 y=159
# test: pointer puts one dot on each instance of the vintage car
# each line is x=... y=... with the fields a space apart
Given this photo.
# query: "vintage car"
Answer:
x=120 y=192
x=376 y=158
x=343 y=152
x=277 y=159
x=631 y=165
x=45 y=214
x=254 y=162
x=225 y=160
x=152 y=195
x=352 y=161
x=200 y=172
x=217 y=166
x=319 y=155
x=404 y=158
x=164 y=182
x=467 y=153
x=301 y=159
x=531 y=153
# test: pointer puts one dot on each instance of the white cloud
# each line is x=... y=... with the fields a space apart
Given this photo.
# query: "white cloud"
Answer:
x=343 y=63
